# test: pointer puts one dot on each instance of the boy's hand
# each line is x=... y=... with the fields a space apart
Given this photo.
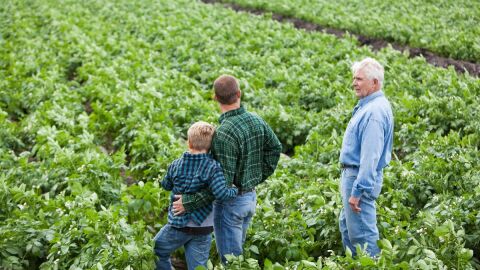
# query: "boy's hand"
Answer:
x=178 y=208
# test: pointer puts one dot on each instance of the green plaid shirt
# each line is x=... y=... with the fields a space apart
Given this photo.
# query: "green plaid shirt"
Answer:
x=247 y=149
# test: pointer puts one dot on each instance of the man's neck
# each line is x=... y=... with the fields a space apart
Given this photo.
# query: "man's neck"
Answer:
x=375 y=90
x=372 y=92
x=225 y=108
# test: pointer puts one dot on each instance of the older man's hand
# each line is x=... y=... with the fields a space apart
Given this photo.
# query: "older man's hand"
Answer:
x=178 y=208
x=354 y=204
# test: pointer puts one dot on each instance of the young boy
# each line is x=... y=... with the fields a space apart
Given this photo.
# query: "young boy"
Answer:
x=194 y=171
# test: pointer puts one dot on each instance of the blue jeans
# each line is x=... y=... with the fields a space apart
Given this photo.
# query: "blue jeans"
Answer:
x=359 y=228
x=167 y=240
x=231 y=221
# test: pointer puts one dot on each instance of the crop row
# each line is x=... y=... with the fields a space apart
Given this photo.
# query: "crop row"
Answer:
x=449 y=28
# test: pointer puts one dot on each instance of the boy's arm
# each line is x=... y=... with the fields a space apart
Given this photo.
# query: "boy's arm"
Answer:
x=218 y=186
x=271 y=153
x=167 y=182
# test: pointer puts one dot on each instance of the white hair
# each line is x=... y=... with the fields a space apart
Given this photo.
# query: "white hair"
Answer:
x=371 y=68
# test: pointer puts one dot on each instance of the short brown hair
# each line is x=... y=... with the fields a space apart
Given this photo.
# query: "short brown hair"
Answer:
x=200 y=135
x=226 y=89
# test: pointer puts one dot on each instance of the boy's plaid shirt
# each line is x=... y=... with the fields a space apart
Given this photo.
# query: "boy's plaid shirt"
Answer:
x=248 y=150
x=188 y=175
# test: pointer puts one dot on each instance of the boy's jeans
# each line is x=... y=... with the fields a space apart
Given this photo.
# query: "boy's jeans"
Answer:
x=167 y=240
x=359 y=228
x=231 y=221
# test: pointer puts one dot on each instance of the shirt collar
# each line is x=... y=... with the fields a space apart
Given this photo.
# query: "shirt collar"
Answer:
x=189 y=156
x=370 y=97
x=232 y=113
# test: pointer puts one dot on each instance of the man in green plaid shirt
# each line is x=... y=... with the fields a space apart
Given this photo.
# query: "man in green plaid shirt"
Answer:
x=248 y=151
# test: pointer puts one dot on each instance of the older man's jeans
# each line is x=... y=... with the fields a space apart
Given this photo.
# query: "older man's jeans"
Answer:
x=231 y=221
x=359 y=228
x=168 y=239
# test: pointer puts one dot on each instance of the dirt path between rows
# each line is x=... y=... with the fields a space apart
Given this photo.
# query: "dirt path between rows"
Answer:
x=376 y=44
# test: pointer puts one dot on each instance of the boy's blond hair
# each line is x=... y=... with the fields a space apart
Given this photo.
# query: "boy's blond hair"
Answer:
x=200 y=135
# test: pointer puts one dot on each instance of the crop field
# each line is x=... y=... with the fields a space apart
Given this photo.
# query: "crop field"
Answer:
x=96 y=98
x=450 y=28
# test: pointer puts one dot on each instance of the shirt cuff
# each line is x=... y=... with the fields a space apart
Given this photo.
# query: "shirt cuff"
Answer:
x=356 y=193
x=188 y=204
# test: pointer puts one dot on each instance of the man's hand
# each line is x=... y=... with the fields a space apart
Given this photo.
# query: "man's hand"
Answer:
x=354 y=202
x=178 y=208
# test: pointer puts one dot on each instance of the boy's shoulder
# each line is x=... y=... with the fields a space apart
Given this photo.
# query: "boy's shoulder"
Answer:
x=177 y=162
x=212 y=161
x=207 y=159
x=212 y=164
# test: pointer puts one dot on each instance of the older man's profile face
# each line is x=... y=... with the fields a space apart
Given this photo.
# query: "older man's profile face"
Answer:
x=362 y=85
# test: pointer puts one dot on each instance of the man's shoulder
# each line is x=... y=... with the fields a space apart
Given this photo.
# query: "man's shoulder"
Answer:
x=240 y=125
x=378 y=107
x=251 y=120
x=254 y=115
x=225 y=132
x=241 y=117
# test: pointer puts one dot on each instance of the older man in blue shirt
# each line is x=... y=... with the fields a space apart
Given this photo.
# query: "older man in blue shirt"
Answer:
x=366 y=150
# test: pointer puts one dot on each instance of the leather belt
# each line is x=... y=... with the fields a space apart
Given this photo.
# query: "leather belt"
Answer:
x=195 y=230
x=348 y=166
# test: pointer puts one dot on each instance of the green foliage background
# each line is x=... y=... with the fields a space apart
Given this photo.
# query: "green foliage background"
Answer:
x=446 y=27
x=96 y=98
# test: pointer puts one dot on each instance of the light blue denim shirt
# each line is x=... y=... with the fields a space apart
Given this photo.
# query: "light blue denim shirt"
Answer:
x=368 y=141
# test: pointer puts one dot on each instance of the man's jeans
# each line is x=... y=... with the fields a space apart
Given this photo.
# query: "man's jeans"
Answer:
x=231 y=221
x=359 y=228
x=197 y=247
